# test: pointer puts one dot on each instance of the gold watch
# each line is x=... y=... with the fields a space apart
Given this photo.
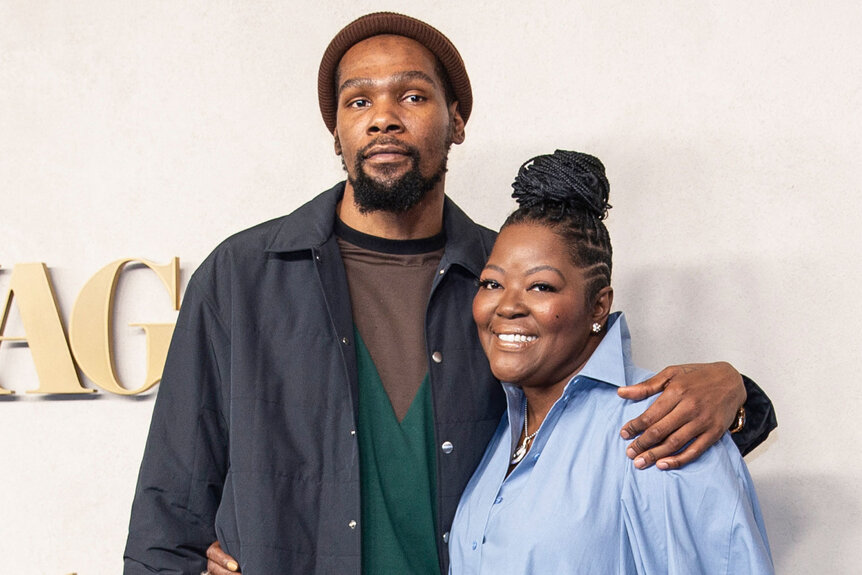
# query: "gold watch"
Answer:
x=740 y=420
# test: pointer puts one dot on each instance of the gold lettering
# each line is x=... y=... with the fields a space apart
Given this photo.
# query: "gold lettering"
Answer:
x=40 y=316
x=91 y=333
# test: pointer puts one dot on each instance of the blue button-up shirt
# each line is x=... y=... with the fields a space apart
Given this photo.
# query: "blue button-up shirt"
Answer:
x=577 y=504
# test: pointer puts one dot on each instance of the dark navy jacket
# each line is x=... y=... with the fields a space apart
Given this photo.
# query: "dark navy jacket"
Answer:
x=254 y=428
x=253 y=436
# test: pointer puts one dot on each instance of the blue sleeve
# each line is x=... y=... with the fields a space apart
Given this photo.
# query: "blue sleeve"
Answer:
x=703 y=518
x=185 y=460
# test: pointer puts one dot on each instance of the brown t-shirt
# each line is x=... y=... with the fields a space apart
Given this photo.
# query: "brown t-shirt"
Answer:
x=390 y=282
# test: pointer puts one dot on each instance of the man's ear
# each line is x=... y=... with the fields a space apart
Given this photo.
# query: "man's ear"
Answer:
x=603 y=303
x=457 y=124
x=337 y=142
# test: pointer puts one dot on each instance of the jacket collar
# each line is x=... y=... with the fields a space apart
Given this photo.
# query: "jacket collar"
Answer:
x=311 y=226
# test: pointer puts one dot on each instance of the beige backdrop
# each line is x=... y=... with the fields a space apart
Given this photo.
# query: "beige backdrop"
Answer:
x=732 y=137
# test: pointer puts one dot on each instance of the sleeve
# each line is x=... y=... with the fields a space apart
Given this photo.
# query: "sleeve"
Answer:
x=759 y=418
x=703 y=518
x=185 y=459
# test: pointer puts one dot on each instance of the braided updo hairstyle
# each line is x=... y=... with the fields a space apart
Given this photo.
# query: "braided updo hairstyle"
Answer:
x=568 y=193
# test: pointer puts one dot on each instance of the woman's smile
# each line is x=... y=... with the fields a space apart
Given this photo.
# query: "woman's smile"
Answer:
x=515 y=340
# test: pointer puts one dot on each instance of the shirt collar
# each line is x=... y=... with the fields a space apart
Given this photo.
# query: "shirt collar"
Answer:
x=611 y=362
x=312 y=225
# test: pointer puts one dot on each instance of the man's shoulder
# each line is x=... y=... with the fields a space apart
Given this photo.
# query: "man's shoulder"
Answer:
x=308 y=225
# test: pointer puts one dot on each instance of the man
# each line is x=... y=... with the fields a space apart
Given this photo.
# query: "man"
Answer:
x=325 y=399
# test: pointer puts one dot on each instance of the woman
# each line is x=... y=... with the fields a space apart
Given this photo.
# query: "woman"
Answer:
x=555 y=492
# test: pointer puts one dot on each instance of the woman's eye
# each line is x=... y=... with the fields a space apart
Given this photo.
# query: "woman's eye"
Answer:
x=543 y=287
x=488 y=284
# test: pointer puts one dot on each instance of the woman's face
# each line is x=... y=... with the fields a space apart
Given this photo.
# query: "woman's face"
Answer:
x=531 y=310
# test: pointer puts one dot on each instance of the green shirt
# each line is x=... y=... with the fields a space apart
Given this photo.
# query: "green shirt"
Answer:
x=397 y=469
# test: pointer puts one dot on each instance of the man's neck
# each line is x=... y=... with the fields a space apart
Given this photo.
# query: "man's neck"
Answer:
x=423 y=220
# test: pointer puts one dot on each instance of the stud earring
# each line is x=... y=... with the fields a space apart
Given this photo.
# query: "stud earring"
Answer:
x=597 y=327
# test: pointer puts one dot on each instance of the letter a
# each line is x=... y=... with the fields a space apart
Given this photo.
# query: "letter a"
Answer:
x=43 y=327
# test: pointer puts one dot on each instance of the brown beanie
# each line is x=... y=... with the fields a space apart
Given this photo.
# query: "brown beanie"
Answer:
x=399 y=25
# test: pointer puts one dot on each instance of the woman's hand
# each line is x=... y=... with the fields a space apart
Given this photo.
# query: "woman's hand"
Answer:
x=698 y=404
x=219 y=562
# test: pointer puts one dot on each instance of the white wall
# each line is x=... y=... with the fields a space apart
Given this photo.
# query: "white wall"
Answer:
x=732 y=136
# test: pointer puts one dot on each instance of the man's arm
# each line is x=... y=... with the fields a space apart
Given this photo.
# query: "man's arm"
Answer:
x=185 y=461
x=699 y=402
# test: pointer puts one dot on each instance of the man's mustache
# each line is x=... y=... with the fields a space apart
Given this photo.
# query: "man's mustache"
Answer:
x=388 y=144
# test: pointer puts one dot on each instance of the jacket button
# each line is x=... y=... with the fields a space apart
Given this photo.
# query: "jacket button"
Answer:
x=442 y=272
x=437 y=357
x=447 y=447
x=446 y=537
x=352 y=524
x=352 y=433
x=345 y=341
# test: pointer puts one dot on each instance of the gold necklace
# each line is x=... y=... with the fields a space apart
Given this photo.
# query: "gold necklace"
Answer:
x=528 y=437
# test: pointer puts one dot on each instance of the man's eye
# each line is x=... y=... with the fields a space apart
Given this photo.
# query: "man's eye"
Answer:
x=415 y=98
x=543 y=287
x=488 y=284
x=360 y=103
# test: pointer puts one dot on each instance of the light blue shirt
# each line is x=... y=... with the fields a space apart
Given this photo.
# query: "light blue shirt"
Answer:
x=577 y=504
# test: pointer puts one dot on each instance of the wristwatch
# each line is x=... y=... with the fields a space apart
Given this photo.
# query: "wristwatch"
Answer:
x=740 y=420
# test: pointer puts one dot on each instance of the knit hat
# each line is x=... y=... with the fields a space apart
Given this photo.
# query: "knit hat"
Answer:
x=390 y=23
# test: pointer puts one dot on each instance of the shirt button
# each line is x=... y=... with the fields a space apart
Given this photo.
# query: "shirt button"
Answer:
x=437 y=357
x=475 y=545
x=352 y=524
x=498 y=500
x=345 y=341
x=446 y=537
x=447 y=447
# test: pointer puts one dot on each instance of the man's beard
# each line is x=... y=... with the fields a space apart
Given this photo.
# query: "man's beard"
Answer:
x=394 y=195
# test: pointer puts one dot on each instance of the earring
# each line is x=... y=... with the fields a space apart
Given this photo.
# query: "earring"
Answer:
x=597 y=327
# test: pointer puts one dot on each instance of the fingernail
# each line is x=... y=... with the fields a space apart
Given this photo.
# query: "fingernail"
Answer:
x=625 y=434
x=631 y=453
x=662 y=465
x=232 y=565
x=640 y=462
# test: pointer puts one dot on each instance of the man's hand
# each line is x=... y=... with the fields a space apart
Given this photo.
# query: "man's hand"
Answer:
x=699 y=403
x=219 y=562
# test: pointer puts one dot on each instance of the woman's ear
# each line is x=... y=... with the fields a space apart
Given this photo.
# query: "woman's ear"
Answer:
x=603 y=303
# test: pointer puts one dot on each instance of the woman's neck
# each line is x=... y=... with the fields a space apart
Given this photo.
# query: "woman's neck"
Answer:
x=540 y=399
x=539 y=403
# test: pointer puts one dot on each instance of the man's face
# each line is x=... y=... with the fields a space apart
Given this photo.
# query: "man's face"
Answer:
x=393 y=126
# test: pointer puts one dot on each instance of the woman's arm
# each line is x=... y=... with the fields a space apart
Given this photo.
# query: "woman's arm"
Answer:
x=219 y=562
